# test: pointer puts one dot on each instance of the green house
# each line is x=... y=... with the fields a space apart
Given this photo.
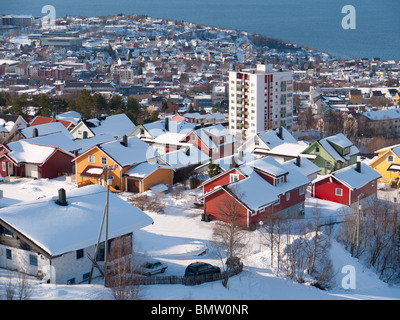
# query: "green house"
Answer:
x=332 y=153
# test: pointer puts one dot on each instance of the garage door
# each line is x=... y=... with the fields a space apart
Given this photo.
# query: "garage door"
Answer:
x=133 y=185
x=31 y=170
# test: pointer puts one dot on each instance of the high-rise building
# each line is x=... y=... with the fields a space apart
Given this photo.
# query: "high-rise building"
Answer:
x=259 y=99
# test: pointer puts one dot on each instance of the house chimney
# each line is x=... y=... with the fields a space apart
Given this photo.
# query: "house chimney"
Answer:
x=358 y=166
x=124 y=141
x=280 y=133
x=241 y=155
x=35 y=132
x=166 y=124
x=298 y=161
x=233 y=163
x=62 y=198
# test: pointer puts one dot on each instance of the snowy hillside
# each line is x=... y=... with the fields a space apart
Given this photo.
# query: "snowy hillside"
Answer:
x=178 y=237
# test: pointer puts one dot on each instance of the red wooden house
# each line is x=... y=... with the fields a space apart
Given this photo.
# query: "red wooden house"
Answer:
x=24 y=159
x=254 y=191
x=348 y=185
x=215 y=141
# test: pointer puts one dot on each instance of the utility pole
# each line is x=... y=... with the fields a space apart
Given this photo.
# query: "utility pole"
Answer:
x=106 y=171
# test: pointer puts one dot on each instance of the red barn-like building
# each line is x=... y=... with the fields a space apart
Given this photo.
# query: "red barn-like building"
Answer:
x=347 y=185
x=25 y=159
x=254 y=191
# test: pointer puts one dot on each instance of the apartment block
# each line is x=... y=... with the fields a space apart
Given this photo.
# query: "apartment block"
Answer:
x=259 y=99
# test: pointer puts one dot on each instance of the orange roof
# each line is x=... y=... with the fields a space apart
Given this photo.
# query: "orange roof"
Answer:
x=38 y=120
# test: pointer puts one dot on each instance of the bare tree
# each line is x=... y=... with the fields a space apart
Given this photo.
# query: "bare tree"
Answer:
x=229 y=236
x=124 y=269
x=18 y=287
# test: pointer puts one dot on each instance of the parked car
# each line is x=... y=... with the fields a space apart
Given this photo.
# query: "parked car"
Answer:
x=200 y=268
x=151 y=268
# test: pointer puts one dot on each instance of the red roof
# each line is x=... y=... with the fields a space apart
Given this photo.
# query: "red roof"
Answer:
x=39 y=120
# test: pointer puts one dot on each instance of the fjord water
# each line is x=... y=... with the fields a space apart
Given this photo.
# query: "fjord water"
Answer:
x=313 y=23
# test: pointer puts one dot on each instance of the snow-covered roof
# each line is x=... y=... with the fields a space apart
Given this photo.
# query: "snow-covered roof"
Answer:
x=135 y=152
x=72 y=116
x=226 y=162
x=354 y=179
x=160 y=127
x=325 y=143
x=257 y=193
x=85 y=144
x=60 y=229
x=57 y=139
x=307 y=167
x=288 y=149
x=268 y=165
x=46 y=129
x=144 y=169
x=116 y=125
x=271 y=137
x=185 y=157
x=24 y=152
x=387 y=114
x=340 y=140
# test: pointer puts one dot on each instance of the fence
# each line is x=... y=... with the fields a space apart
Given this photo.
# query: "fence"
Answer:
x=187 y=281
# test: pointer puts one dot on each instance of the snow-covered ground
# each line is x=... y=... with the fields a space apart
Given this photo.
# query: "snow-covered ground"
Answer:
x=179 y=237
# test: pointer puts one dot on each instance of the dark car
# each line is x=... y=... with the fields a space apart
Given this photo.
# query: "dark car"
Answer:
x=200 y=268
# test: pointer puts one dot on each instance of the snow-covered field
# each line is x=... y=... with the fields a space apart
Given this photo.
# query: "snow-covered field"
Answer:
x=179 y=237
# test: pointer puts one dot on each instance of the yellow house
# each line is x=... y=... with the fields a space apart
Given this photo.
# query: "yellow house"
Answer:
x=133 y=163
x=387 y=163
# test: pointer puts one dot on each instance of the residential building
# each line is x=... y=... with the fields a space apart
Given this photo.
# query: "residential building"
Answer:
x=348 y=185
x=259 y=99
x=332 y=153
x=24 y=159
x=254 y=191
x=134 y=166
x=62 y=231
x=387 y=163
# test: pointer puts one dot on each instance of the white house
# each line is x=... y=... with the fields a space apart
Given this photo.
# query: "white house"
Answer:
x=61 y=232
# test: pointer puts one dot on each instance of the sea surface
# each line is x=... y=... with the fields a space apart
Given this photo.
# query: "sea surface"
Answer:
x=313 y=23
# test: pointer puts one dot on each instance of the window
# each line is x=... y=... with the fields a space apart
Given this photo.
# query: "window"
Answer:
x=86 y=276
x=92 y=159
x=71 y=281
x=234 y=177
x=390 y=158
x=8 y=254
x=33 y=261
x=301 y=190
x=316 y=149
x=339 y=192
x=287 y=196
x=79 y=254
x=328 y=164
x=3 y=166
x=103 y=160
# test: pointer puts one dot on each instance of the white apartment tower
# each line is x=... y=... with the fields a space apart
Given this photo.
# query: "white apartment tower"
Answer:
x=259 y=99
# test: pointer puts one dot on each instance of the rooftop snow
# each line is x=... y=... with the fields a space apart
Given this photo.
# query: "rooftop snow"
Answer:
x=60 y=229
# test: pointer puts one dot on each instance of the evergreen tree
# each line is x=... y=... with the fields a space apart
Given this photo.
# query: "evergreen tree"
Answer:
x=213 y=169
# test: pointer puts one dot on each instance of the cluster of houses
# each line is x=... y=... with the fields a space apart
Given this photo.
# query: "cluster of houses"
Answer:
x=269 y=174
